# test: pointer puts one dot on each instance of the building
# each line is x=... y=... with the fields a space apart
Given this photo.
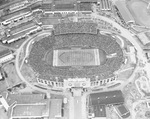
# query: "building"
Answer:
x=21 y=31
x=26 y=106
x=99 y=101
x=5 y=56
x=55 y=108
x=22 y=27
x=132 y=55
x=38 y=107
x=15 y=18
x=25 y=98
x=105 y=5
x=11 y=16
x=28 y=111
x=143 y=38
x=18 y=6
x=4 y=103
x=99 y=111
x=125 y=13
x=107 y=98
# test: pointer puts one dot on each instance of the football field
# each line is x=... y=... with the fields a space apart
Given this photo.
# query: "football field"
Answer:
x=76 y=57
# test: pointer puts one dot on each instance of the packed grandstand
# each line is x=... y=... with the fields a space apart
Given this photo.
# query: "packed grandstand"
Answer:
x=72 y=36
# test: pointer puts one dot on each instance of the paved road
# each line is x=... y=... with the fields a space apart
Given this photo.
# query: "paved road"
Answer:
x=124 y=32
x=71 y=107
x=18 y=68
x=78 y=107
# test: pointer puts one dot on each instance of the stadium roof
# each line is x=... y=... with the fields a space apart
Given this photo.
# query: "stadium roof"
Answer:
x=125 y=13
x=99 y=110
x=105 y=98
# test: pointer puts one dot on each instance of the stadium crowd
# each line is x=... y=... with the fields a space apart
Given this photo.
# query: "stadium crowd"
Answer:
x=75 y=27
x=73 y=36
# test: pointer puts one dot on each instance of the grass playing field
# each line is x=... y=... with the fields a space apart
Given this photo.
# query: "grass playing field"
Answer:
x=76 y=57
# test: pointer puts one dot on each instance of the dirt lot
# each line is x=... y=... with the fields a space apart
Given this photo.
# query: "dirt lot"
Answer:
x=12 y=78
x=3 y=114
x=138 y=9
x=28 y=73
x=3 y=86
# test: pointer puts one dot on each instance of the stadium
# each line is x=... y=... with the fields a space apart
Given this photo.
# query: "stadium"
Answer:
x=75 y=50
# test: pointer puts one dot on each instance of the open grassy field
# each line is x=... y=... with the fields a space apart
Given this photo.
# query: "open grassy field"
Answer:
x=138 y=9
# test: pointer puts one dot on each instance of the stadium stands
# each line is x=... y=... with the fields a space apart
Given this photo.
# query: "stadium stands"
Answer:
x=64 y=7
x=46 y=7
x=68 y=36
x=87 y=1
x=104 y=25
x=84 y=7
x=76 y=27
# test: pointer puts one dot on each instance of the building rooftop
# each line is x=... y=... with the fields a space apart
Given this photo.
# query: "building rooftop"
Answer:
x=55 y=108
x=25 y=98
x=5 y=53
x=11 y=15
x=143 y=38
x=27 y=111
x=22 y=27
x=99 y=110
x=106 y=98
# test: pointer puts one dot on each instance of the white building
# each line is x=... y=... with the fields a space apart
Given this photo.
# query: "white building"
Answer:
x=4 y=103
x=143 y=38
x=132 y=55
x=5 y=56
